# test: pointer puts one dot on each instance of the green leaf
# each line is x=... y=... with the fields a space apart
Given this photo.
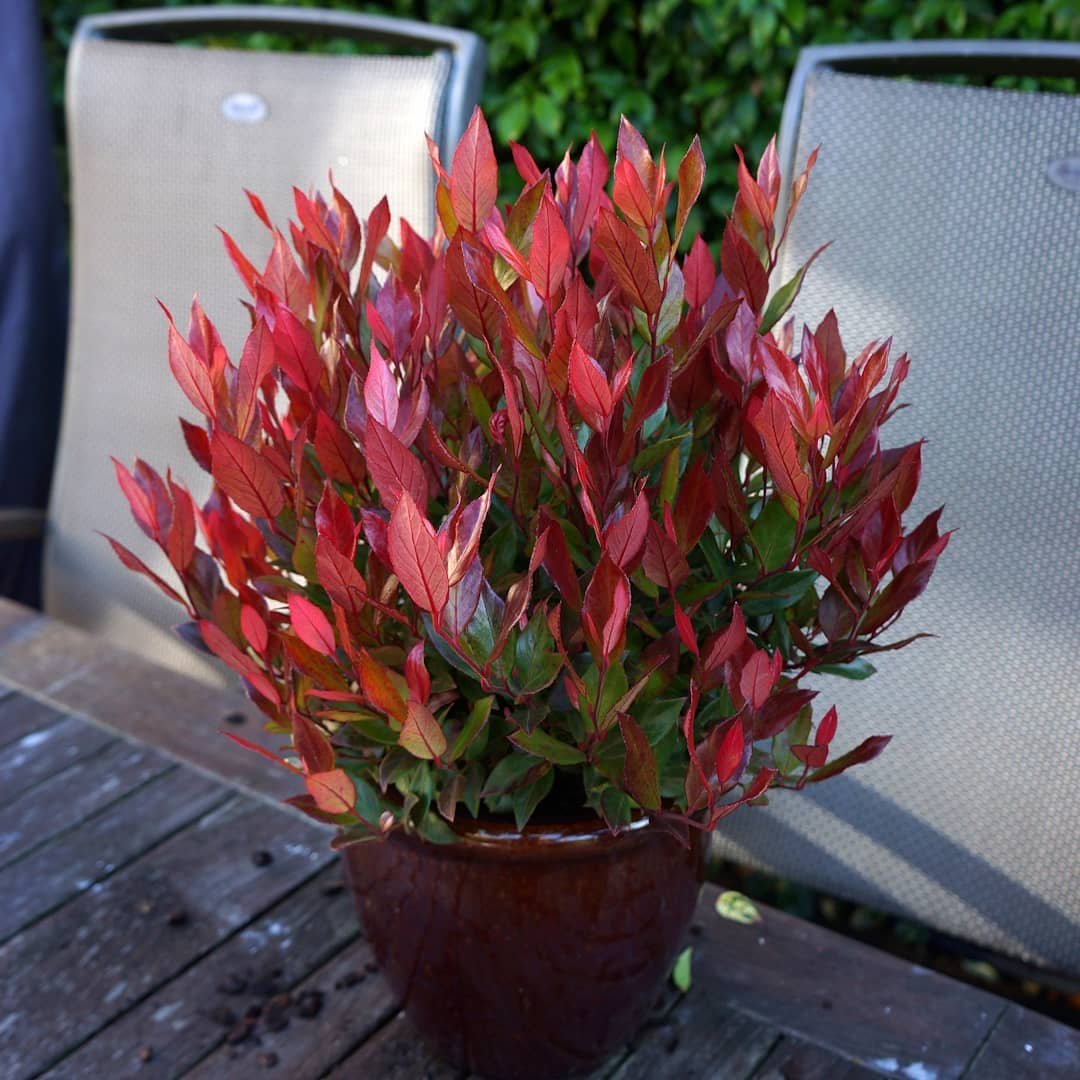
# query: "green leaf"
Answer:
x=784 y=297
x=657 y=451
x=536 y=661
x=854 y=669
x=615 y=807
x=796 y=734
x=680 y=973
x=511 y=773
x=738 y=908
x=778 y=593
x=526 y=799
x=435 y=831
x=546 y=746
x=477 y=718
x=773 y=534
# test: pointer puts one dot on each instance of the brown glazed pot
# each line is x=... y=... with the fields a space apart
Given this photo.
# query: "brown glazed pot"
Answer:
x=527 y=955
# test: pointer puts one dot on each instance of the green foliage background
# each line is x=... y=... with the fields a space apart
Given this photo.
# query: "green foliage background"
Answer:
x=558 y=68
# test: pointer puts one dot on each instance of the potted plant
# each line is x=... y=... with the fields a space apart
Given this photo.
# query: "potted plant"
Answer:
x=526 y=545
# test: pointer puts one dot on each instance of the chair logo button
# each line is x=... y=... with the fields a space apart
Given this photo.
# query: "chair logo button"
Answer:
x=1065 y=172
x=244 y=107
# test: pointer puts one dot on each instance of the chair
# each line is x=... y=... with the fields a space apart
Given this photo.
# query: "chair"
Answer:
x=163 y=141
x=956 y=216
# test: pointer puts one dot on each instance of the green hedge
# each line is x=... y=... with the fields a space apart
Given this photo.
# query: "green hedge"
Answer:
x=675 y=67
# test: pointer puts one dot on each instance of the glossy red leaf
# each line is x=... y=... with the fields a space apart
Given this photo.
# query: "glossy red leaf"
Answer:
x=630 y=262
x=334 y=522
x=393 y=468
x=224 y=649
x=664 y=564
x=198 y=443
x=550 y=251
x=742 y=268
x=255 y=748
x=180 y=543
x=245 y=477
x=311 y=745
x=729 y=754
x=415 y=557
x=311 y=625
x=782 y=459
x=416 y=674
x=560 y=566
x=474 y=175
x=339 y=577
x=759 y=676
x=192 y=376
x=867 y=750
x=826 y=728
x=605 y=610
x=691 y=179
x=133 y=562
x=589 y=389
x=254 y=627
x=693 y=506
x=381 y=391
x=727 y=642
x=685 y=626
x=699 y=273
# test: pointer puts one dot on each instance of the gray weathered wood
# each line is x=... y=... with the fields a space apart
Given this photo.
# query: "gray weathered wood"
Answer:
x=396 y=1053
x=181 y=1022
x=856 y=1001
x=42 y=754
x=70 y=864
x=309 y=1047
x=39 y=654
x=72 y=973
x=68 y=798
x=793 y=1059
x=699 y=1040
x=20 y=715
x=1025 y=1044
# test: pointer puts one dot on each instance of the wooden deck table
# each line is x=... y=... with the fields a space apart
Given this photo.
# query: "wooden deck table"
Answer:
x=155 y=896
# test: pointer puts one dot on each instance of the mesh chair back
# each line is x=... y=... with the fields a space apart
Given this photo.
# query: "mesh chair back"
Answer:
x=957 y=230
x=163 y=140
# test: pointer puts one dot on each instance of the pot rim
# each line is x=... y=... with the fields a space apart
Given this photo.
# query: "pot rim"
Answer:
x=586 y=837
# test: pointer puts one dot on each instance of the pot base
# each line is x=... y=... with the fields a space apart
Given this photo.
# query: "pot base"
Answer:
x=527 y=955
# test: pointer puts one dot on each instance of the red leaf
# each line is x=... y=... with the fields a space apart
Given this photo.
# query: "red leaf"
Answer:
x=338 y=455
x=527 y=168
x=693 y=506
x=729 y=755
x=686 y=630
x=742 y=268
x=605 y=610
x=624 y=540
x=311 y=745
x=245 y=477
x=590 y=390
x=727 y=642
x=826 y=728
x=759 y=676
x=379 y=689
x=188 y=370
x=256 y=362
x=262 y=752
x=295 y=352
x=254 y=627
x=333 y=791
x=381 y=391
x=133 y=562
x=415 y=558
x=559 y=565
x=394 y=469
x=416 y=674
x=248 y=274
x=198 y=443
x=311 y=625
x=474 y=175
x=652 y=393
x=664 y=564
x=180 y=545
x=140 y=501
x=691 y=179
x=774 y=426
x=220 y=645
x=334 y=522
x=283 y=278
x=421 y=734
x=630 y=262
x=641 y=778
x=699 y=273
x=339 y=577
x=867 y=750
x=550 y=249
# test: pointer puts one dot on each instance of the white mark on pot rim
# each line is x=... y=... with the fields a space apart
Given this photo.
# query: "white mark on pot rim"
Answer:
x=1028 y=1048
x=35 y=738
x=116 y=992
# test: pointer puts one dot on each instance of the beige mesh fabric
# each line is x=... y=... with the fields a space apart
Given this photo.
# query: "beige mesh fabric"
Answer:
x=156 y=166
x=950 y=236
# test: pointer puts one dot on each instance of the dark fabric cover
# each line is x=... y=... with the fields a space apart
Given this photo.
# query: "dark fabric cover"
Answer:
x=33 y=289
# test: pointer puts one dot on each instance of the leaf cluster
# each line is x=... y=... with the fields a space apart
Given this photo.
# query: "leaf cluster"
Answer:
x=548 y=510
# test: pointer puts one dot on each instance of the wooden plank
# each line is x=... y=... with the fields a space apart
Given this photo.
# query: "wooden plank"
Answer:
x=396 y=1053
x=44 y=753
x=20 y=715
x=700 y=1040
x=308 y=1047
x=1026 y=1044
x=38 y=654
x=856 y=1001
x=186 y=1019
x=64 y=800
x=69 y=975
x=793 y=1059
x=72 y=863
x=14 y=618
x=178 y=716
